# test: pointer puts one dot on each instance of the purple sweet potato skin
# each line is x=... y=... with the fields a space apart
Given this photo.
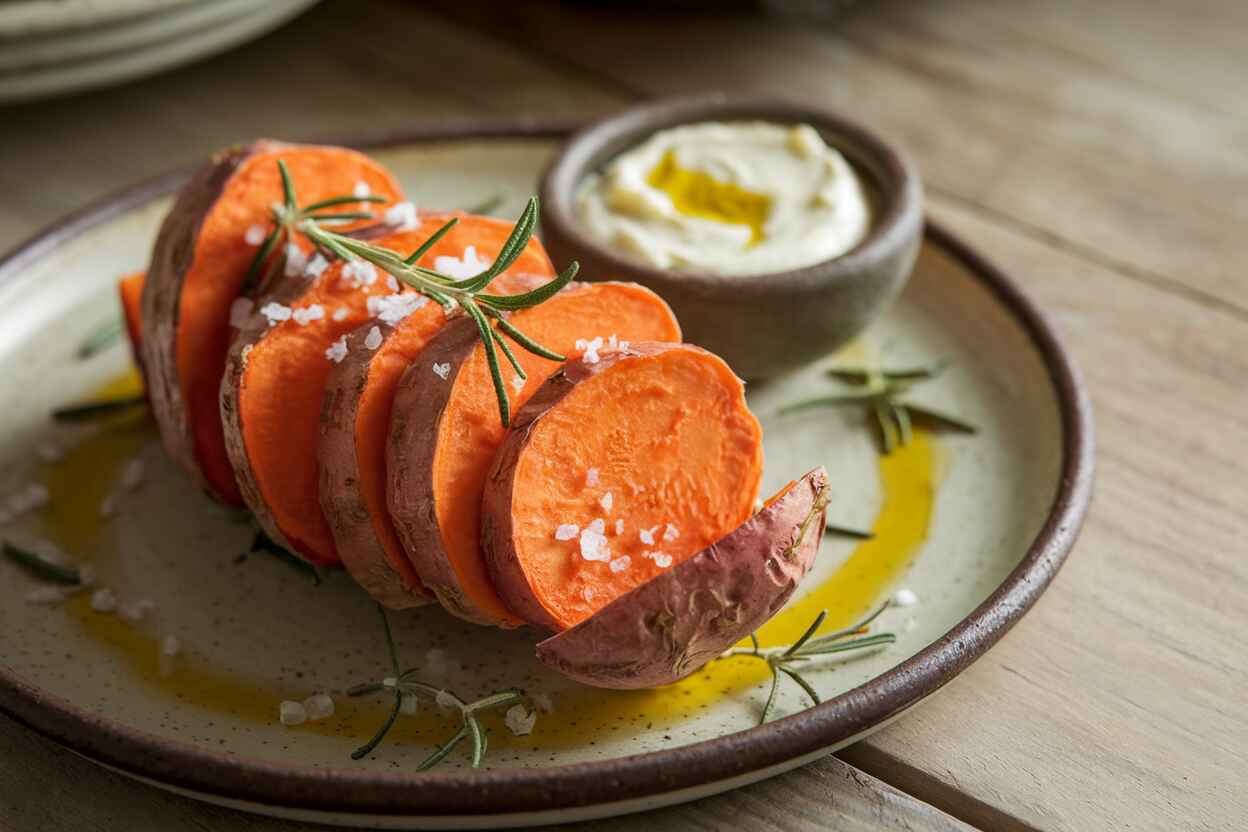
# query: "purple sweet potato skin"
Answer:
x=671 y=626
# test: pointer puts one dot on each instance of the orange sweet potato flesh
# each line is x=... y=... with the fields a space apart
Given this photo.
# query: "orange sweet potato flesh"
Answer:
x=355 y=422
x=654 y=442
x=276 y=379
x=444 y=434
x=198 y=267
x=130 y=288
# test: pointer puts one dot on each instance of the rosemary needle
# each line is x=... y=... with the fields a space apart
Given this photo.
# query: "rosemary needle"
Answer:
x=89 y=411
x=39 y=567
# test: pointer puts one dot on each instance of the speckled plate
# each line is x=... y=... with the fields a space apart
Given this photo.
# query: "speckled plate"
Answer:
x=975 y=526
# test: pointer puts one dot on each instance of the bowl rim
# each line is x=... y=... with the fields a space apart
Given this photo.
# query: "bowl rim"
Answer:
x=891 y=175
x=348 y=791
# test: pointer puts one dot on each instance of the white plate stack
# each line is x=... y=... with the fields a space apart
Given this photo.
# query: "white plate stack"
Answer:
x=52 y=47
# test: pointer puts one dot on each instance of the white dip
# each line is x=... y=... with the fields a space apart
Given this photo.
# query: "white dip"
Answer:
x=729 y=198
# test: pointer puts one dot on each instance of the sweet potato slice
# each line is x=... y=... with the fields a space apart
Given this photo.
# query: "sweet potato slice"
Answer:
x=277 y=372
x=130 y=289
x=198 y=269
x=675 y=623
x=355 y=423
x=614 y=472
x=446 y=428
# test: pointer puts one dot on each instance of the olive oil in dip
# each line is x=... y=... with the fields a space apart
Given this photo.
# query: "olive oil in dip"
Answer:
x=582 y=716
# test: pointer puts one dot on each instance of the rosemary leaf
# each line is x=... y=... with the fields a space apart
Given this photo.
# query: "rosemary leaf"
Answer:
x=90 y=411
x=39 y=567
x=342 y=200
x=491 y=359
x=486 y=207
x=288 y=187
x=522 y=339
x=445 y=749
x=346 y=216
x=424 y=247
x=771 y=696
x=877 y=640
x=101 y=339
x=262 y=254
x=541 y=294
x=365 y=749
x=478 y=739
x=390 y=648
x=938 y=419
x=797 y=677
x=901 y=417
x=845 y=531
x=511 y=357
x=810 y=631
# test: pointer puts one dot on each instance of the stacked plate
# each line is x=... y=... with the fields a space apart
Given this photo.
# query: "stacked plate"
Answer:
x=52 y=47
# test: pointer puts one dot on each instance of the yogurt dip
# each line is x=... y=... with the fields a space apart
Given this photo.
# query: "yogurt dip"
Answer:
x=732 y=198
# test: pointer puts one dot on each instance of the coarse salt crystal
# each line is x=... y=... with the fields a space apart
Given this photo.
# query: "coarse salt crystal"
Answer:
x=337 y=350
x=373 y=339
x=671 y=533
x=392 y=283
x=275 y=312
x=408 y=704
x=598 y=526
x=567 y=531
x=292 y=713
x=517 y=383
x=132 y=476
x=520 y=721
x=341 y=313
x=594 y=545
x=315 y=267
x=319 y=706
x=136 y=610
x=591 y=476
x=296 y=260
x=468 y=265
x=402 y=215
x=590 y=349
x=304 y=315
x=103 y=600
x=621 y=563
x=362 y=189
x=647 y=535
x=45 y=595
x=606 y=501
x=446 y=700
x=612 y=341
x=905 y=598
x=623 y=345
x=661 y=559
x=392 y=309
x=443 y=370
x=50 y=453
x=240 y=311
x=360 y=273
x=254 y=235
x=619 y=526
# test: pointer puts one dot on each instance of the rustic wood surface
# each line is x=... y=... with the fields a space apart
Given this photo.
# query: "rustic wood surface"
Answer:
x=1096 y=151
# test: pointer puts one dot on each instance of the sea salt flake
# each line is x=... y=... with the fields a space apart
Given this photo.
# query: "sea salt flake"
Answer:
x=276 y=312
x=446 y=700
x=337 y=350
x=292 y=713
x=623 y=345
x=443 y=370
x=520 y=721
x=661 y=559
x=591 y=477
x=392 y=309
x=621 y=563
x=467 y=265
x=590 y=349
x=305 y=315
x=296 y=260
x=409 y=704
x=671 y=533
x=594 y=545
x=254 y=235
x=567 y=531
x=315 y=267
x=240 y=311
x=341 y=313
x=373 y=339
x=402 y=215
x=598 y=526
x=647 y=535
x=905 y=598
x=359 y=273
x=45 y=595
x=319 y=706
x=362 y=189
x=606 y=501
x=132 y=475
x=103 y=600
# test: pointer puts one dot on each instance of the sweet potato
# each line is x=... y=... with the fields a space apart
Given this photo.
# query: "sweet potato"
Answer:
x=675 y=623
x=198 y=268
x=614 y=472
x=130 y=289
x=446 y=428
x=355 y=422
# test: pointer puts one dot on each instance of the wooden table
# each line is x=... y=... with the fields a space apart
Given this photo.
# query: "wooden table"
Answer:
x=1097 y=151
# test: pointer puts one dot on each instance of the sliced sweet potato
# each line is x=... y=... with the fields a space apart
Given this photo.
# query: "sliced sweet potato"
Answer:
x=355 y=423
x=445 y=430
x=672 y=625
x=130 y=289
x=198 y=269
x=614 y=472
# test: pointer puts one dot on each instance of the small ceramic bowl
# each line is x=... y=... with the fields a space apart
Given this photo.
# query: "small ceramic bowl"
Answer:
x=762 y=324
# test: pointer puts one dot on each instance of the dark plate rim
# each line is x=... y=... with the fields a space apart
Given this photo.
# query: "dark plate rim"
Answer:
x=506 y=791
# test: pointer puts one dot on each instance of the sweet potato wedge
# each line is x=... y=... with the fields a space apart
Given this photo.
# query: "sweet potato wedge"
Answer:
x=614 y=472
x=130 y=290
x=198 y=268
x=446 y=428
x=675 y=623
x=355 y=422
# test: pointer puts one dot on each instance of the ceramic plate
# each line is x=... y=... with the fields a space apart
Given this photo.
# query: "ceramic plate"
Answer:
x=974 y=526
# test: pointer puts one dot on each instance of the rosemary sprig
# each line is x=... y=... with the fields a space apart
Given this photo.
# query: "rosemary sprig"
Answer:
x=488 y=312
x=99 y=340
x=90 y=411
x=404 y=682
x=845 y=531
x=263 y=543
x=40 y=567
x=487 y=205
x=880 y=390
x=785 y=660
